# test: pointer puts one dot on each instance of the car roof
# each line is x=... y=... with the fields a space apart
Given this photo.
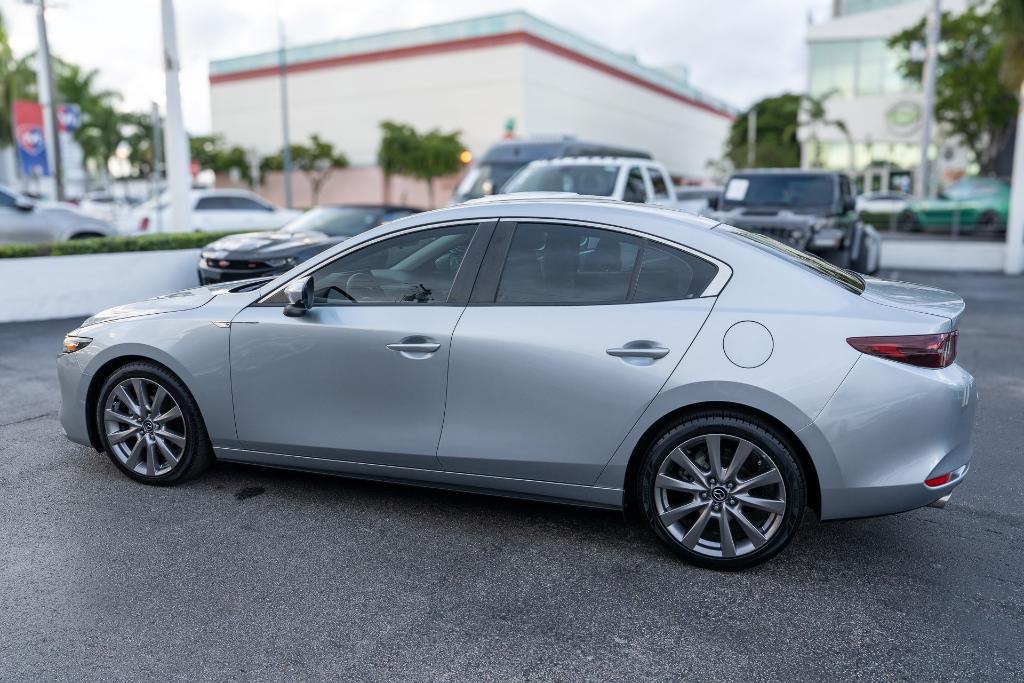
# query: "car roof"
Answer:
x=594 y=161
x=367 y=205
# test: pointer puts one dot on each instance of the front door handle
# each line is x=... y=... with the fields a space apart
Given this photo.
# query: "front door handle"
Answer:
x=415 y=347
x=645 y=351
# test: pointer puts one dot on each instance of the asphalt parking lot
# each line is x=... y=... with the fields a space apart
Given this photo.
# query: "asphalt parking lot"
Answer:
x=251 y=573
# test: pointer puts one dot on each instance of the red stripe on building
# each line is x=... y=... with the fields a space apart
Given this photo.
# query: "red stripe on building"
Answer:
x=514 y=38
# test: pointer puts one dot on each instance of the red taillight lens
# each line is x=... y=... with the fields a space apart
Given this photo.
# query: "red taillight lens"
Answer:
x=144 y=225
x=922 y=350
x=946 y=478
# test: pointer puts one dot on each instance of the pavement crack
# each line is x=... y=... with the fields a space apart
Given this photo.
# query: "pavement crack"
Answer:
x=52 y=413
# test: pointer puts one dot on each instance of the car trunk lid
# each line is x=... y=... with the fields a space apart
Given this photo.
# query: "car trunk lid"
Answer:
x=917 y=298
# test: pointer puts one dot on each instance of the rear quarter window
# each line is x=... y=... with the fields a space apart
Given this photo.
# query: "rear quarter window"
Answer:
x=840 y=276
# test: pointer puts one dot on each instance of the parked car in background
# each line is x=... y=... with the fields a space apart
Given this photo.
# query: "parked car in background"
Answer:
x=714 y=380
x=259 y=254
x=212 y=211
x=813 y=211
x=885 y=202
x=27 y=221
x=977 y=206
x=488 y=175
x=697 y=200
x=628 y=179
x=105 y=206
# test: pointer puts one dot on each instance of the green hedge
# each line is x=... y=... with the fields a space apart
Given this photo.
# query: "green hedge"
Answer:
x=111 y=245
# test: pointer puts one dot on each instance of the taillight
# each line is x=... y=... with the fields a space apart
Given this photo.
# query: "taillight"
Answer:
x=144 y=224
x=922 y=350
x=946 y=478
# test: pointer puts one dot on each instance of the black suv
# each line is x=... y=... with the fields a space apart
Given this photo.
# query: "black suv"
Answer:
x=814 y=211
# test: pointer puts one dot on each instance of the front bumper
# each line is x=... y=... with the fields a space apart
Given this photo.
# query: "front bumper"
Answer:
x=890 y=427
x=74 y=387
x=212 y=276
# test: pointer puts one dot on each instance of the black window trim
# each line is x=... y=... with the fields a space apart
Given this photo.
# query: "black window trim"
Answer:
x=462 y=285
x=486 y=290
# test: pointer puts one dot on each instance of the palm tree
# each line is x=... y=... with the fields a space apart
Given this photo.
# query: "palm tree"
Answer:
x=100 y=131
x=813 y=115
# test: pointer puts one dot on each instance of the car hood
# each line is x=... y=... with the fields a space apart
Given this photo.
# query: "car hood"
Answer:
x=267 y=244
x=168 y=303
x=917 y=298
x=746 y=216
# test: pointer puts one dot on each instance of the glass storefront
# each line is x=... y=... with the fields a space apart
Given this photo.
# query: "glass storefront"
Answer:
x=856 y=67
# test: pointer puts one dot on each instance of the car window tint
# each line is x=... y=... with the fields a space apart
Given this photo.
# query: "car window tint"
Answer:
x=658 y=183
x=635 y=190
x=417 y=267
x=215 y=204
x=550 y=263
x=246 y=204
x=668 y=274
x=6 y=199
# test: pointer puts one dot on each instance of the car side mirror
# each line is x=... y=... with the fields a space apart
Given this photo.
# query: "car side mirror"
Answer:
x=300 y=297
x=24 y=204
x=714 y=202
x=849 y=204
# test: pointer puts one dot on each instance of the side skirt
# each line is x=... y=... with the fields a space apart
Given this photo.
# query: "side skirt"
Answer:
x=551 y=492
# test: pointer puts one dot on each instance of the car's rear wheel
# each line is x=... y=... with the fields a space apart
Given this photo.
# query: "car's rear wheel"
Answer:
x=988 y=224
x=722 y=490
x=150 y=425
x=908 y=222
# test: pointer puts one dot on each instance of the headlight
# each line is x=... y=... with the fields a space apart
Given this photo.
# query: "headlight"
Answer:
x=278 y=262
x=73 y=342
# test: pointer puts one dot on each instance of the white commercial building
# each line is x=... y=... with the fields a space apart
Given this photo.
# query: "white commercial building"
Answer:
x=850 y=63
x=479 y=76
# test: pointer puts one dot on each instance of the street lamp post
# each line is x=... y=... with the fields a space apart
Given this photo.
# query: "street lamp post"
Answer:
x=286 y=150
x=47 y=98
x=932 y=27
x=179 y=176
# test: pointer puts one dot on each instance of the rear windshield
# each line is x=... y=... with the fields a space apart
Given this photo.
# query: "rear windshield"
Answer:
x=844 y=278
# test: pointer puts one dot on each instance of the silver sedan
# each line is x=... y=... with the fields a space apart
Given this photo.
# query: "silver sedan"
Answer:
x=593 y=352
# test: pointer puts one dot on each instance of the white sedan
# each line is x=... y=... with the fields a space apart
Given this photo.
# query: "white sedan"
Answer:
x=212 y=211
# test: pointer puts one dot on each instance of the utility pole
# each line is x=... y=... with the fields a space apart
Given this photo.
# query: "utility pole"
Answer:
x=179 y=175
x=286 y=150
x=158 y=164
x=932 y=28
x=48 y=100
x=752 y=137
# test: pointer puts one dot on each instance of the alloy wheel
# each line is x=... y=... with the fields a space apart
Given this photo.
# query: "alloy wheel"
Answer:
x=720 y=495
x=144 y=426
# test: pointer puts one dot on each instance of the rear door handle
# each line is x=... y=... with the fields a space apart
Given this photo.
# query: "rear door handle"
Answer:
x=652 y=352
x=415 y=347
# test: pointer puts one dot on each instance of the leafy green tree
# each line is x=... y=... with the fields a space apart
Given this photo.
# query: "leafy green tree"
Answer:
x=398 y=145
x=437 y=155
x=814 y=114
x=317 y=161
x=777 y=145
x=971 y=100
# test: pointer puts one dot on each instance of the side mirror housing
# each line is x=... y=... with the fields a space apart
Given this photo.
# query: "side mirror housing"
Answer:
x=300 y=297
x=849 y=204
x=22 y=203
x=714 y=202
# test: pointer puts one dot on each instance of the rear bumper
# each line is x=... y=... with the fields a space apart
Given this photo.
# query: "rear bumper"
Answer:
x=890 y=427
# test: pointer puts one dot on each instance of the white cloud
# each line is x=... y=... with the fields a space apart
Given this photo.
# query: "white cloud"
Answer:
x=738 y=50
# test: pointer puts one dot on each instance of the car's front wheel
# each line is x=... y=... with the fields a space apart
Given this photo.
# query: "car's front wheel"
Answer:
x=722 y=490
x=150 y=425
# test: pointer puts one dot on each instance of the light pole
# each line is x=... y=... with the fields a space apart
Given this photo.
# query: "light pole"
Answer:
x=932 y=27
x=1014 y=264
x=179 y=176
x=286 y=150
x=47 y=98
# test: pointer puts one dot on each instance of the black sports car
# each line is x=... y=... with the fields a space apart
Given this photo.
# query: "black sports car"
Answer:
x=260 y=254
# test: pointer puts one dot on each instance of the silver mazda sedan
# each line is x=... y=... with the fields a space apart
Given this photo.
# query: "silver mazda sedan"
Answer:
x=565 y=349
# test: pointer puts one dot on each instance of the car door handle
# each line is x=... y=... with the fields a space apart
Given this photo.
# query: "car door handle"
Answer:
x=653 y=352
x=417 y=347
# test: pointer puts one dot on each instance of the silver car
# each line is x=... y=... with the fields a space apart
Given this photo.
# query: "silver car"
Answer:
x=574 y=350
x=26 y=221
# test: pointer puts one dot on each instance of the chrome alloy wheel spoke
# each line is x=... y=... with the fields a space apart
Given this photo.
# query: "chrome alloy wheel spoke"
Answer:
x=720 y=495
x=144 y=426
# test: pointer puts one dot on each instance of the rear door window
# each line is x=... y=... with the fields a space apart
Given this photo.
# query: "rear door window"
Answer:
x=635 y=190
x=658 y=183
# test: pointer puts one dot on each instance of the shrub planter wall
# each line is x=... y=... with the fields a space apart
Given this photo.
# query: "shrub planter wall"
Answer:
x=46 y=287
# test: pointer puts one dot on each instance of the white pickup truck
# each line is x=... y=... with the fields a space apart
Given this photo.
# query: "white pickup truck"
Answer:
x=642 y=181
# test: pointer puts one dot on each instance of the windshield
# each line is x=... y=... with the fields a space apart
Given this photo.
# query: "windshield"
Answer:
x=486 y=179
x=840 y=276
x=582 y=179
x=347 y=221
x=799 y=191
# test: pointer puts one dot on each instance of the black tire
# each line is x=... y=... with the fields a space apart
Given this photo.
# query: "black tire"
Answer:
x=989 y=224
x=772 y=445
x=195 y=456
x=907 y=222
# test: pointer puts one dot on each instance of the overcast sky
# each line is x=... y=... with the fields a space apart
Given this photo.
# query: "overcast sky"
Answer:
x=739 y=50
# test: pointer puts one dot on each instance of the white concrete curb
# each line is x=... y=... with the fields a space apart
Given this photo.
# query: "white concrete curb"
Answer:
x=47 y=287
x=955 y=255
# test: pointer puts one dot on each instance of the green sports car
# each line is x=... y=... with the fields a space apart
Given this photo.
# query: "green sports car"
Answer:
x=978 y=206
